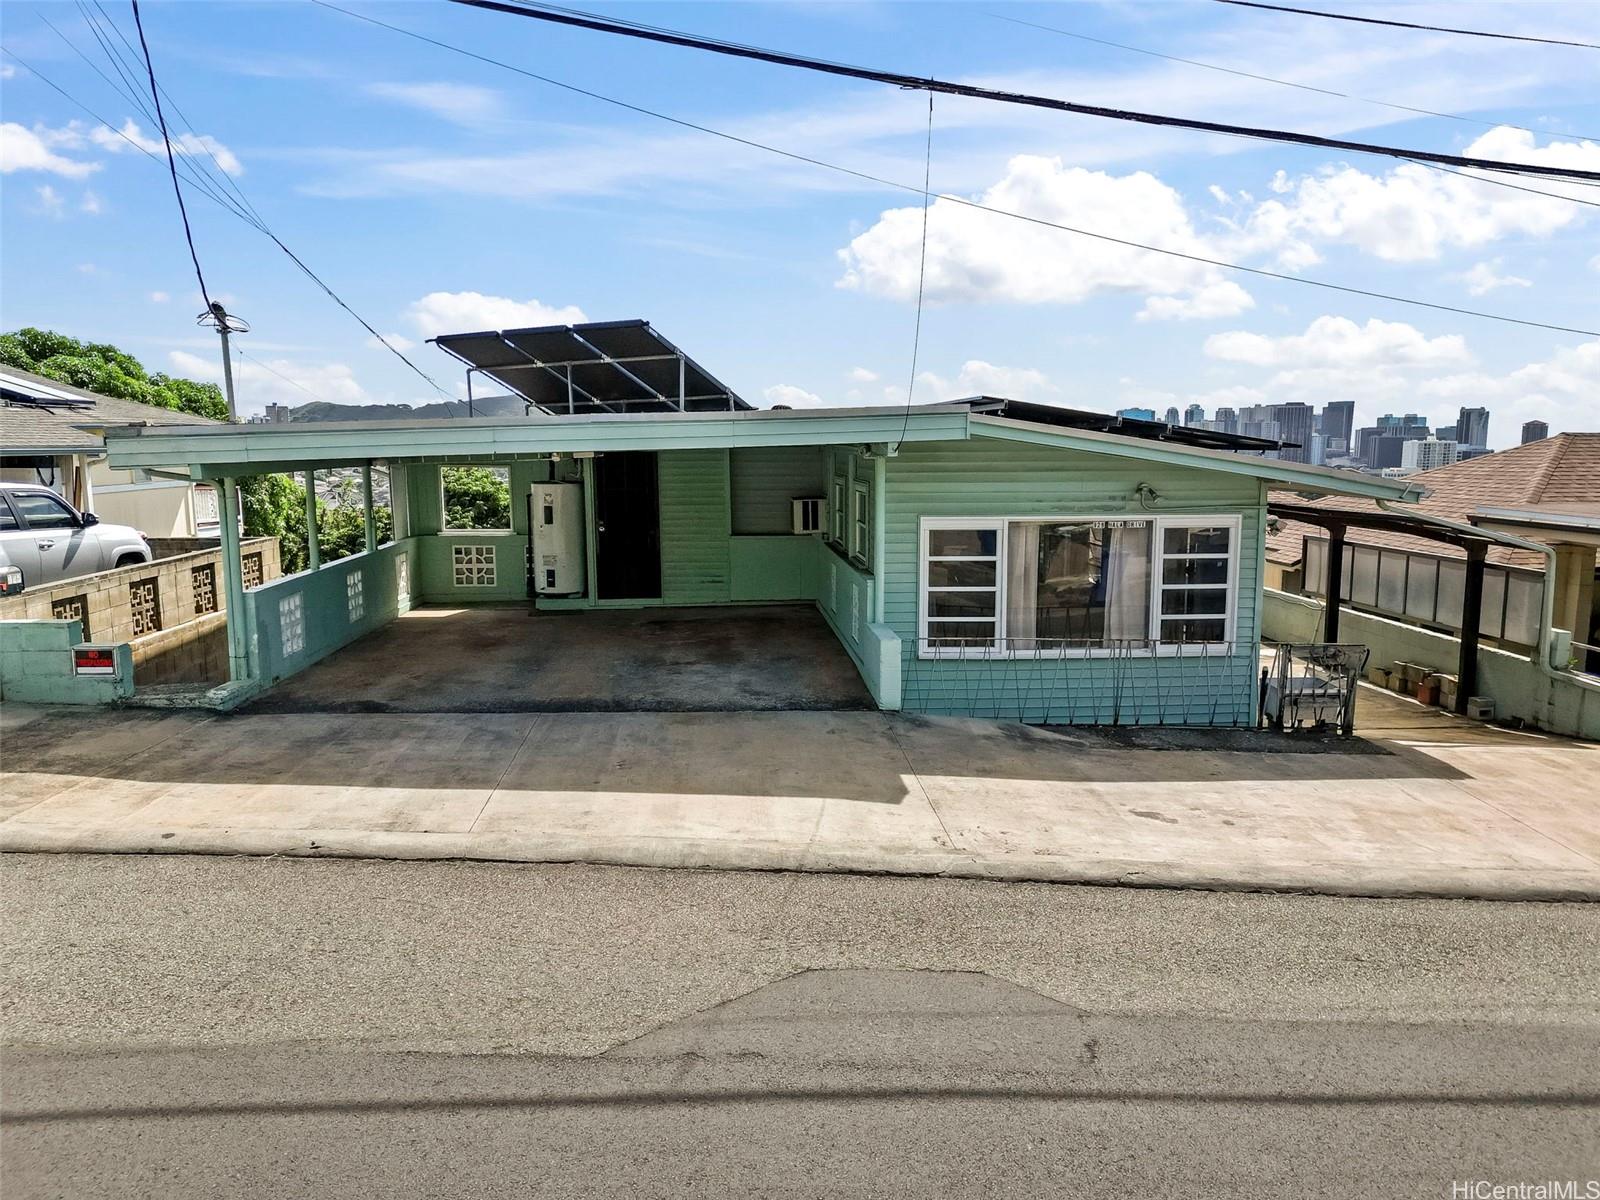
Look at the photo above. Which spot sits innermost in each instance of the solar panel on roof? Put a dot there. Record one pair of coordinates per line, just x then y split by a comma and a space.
605, 366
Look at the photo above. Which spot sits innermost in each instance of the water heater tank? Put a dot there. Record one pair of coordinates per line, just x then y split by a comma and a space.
558, 557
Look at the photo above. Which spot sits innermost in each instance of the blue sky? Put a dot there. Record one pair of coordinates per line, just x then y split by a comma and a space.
437, 194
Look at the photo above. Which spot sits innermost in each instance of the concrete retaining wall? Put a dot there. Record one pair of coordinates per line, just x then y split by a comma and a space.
1562, 702
194, 652
36, 665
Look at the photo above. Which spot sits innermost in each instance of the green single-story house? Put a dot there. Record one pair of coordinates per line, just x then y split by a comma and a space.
982, 558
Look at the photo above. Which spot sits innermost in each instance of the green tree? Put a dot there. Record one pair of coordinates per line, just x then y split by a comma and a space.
103, 368
274, 505
476, 498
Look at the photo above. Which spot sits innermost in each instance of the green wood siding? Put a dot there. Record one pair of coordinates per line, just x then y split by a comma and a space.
764, 479
694, 527
986, 478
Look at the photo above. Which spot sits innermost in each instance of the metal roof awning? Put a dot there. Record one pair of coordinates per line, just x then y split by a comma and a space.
599, 367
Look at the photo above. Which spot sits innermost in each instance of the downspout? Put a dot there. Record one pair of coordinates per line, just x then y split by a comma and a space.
880, 506
1547, 613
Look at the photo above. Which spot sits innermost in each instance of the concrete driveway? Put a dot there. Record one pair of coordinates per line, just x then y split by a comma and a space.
1432, 805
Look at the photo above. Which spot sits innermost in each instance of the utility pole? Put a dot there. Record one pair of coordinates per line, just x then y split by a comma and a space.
226, 324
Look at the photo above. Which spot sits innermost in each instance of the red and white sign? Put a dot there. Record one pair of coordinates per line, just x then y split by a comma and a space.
94, 660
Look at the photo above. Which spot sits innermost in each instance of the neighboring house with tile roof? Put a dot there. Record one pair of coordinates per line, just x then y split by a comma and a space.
53, 434
1546, 491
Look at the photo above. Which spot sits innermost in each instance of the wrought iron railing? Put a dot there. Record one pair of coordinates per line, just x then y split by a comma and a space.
1070, 681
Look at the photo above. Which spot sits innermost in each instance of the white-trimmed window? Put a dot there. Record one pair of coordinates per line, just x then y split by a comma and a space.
861, 523
1041, 586
961, 584
1194, 587
838, 510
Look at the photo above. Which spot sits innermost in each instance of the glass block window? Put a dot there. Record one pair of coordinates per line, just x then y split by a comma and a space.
354, 601
72, 608
402, 575
472, 565
203, 584
144, 601
252, 570
292, 624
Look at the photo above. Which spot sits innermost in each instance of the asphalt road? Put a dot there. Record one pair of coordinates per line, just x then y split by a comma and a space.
235, 1027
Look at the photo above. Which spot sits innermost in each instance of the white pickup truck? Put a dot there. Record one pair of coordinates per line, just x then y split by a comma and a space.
43, 539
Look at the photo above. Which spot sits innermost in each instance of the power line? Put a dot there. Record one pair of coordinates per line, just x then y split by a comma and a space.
201, 182
1504, 183
913, 189
132, 94
1311, 12
1327, 92
200, 140
280, 375
1304, 87
736, 50
922, 272
172, 164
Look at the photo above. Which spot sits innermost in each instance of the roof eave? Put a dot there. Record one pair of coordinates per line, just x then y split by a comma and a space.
1322, 481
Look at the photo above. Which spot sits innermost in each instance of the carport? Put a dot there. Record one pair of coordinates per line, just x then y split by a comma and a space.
514, 658
664, 549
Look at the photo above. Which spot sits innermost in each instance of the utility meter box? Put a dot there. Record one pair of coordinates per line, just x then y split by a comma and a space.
558, 557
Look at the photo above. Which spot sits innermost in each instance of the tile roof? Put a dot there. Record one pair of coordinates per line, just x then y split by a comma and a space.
39, 428
1560, 473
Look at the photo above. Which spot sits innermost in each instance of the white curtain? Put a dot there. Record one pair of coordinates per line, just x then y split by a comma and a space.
1022, 586
1127, 568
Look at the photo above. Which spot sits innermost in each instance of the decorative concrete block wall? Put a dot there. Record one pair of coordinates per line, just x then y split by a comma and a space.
301, 618
133, 602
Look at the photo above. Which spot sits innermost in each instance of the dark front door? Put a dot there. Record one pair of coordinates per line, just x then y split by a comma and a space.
627, 526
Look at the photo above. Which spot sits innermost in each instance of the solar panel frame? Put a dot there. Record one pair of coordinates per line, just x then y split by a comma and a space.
621, 366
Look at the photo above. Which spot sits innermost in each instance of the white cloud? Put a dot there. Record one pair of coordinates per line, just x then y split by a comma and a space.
1484, 277
7, 71
979, 378
790, 396
1221, 299
398, 340
459, 102
1560, 390
1414, 213
862, 375
23, 149
159, 297
51, 202
91, 204
466, 312
1339, 343
192, 145
977, 256
257, 385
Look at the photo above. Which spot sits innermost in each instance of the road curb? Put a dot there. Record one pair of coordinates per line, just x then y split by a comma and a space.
717, 855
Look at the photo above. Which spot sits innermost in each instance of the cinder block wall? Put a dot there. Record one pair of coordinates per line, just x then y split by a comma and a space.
186, 587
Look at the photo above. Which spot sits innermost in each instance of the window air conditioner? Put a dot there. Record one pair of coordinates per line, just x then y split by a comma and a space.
807, 514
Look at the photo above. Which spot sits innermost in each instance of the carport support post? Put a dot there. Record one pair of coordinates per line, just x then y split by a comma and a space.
233, 582
1471, 618
366, 500
313, 541
1335, 583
